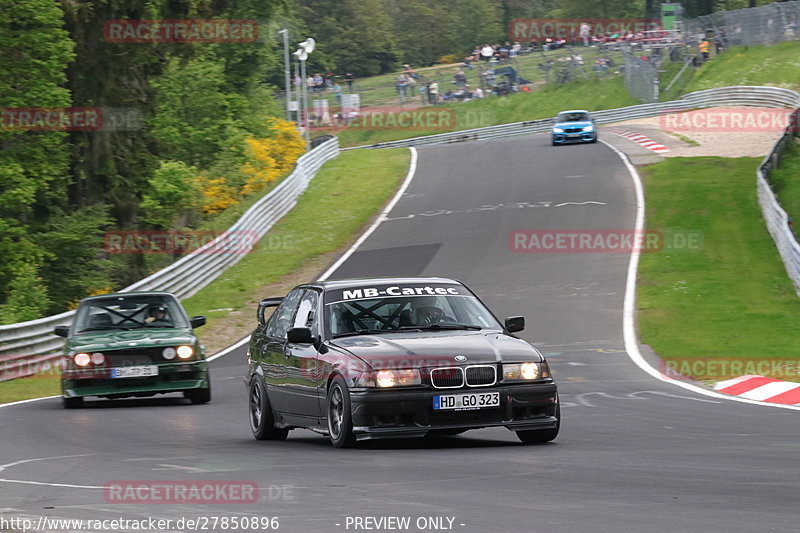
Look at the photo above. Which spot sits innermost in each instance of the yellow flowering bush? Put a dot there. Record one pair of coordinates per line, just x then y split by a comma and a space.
217, 194
272, 156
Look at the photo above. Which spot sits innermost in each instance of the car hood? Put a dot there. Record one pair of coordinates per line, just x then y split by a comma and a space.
581, 124
429, 349
136, 338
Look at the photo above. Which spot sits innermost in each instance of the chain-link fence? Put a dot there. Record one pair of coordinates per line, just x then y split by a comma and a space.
641, 76
651, 71
769, 24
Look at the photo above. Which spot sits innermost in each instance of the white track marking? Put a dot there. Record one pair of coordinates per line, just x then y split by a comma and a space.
40, 483
629, 309
229, 349
412, 169
27, 401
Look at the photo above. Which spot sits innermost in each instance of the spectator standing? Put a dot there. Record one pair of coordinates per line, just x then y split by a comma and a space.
515, 49
337, 90
704, 46
348, 79
433, 93
584, 32
319, 82
401, 83
487, 52
460, 78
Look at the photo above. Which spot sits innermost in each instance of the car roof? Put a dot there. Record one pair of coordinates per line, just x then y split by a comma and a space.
574, 111
120, 294
368, 282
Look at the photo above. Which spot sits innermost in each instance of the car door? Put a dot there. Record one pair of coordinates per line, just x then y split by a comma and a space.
274, 362
302, 381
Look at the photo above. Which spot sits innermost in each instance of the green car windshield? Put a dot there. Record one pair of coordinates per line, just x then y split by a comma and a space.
129, 312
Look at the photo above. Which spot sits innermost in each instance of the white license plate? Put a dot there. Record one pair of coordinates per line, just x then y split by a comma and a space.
574, 135
134, 371
477, 400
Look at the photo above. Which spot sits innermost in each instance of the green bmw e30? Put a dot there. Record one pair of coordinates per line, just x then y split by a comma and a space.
132, 344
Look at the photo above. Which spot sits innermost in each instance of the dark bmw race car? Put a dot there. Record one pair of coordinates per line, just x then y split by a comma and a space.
132, 344
371, 358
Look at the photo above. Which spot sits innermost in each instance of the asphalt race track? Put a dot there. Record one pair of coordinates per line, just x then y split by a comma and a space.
634, 454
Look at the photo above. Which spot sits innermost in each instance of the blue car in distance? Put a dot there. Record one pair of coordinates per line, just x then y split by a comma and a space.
574, 126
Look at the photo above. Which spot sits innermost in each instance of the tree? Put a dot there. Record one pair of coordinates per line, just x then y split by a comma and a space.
27, 296
356, 34
34, 51
174, 195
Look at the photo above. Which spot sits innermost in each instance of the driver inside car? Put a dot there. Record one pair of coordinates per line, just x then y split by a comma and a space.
157, 316
426, 311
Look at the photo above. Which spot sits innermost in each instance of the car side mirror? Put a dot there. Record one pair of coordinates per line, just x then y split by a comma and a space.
61, 331
197, 321
263, 304
300, 335
515, 323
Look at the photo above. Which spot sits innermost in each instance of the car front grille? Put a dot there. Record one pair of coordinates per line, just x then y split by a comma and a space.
134, 356
447, 378
573, 130
453, 377
481, 376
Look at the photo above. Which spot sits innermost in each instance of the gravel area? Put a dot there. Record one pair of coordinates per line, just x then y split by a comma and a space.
714, 141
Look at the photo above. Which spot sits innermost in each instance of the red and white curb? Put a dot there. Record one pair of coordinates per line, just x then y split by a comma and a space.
761, 389
641, 140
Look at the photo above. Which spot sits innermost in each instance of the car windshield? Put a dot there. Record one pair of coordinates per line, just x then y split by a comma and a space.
129, 312
402, 313
573, 117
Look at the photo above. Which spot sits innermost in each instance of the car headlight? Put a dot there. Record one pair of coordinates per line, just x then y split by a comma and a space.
389, 378
82, 359
185, 352
558, 130
588, 128
169, 353
525, 371
98, 358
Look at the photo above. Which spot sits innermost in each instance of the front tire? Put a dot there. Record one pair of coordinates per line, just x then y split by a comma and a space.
262, 420
198, 396
72, 403
340, 416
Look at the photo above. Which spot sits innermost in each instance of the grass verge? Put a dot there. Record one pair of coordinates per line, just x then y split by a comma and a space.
731, 300
342, 198
775, 65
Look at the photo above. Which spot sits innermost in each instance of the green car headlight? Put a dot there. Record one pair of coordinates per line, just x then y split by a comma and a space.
525, 371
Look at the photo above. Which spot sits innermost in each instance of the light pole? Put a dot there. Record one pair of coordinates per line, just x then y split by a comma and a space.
285, 33
306, 47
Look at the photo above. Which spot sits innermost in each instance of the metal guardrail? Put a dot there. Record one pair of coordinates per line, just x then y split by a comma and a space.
724, 96
26, 347
776, 218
